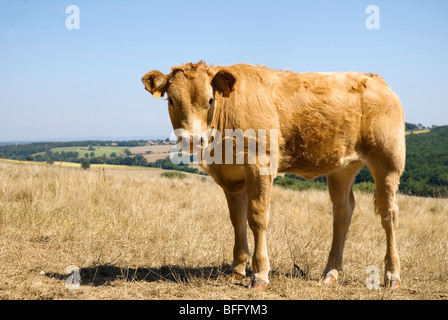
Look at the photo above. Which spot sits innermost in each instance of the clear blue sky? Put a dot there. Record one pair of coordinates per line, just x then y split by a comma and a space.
60, 83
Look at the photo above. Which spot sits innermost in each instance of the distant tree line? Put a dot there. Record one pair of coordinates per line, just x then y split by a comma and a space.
416, 127
292, 181
412, 126
54, 156
168, 165
137, 160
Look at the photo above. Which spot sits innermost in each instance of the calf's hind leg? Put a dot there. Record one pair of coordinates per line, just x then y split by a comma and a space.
386, 182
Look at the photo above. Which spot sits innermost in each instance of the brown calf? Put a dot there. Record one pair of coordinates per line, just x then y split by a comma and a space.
325, 123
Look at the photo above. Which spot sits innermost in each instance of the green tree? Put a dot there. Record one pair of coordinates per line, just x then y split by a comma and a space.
92, 154
85, 164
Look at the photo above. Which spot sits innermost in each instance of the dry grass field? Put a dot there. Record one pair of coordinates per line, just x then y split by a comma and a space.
136, 235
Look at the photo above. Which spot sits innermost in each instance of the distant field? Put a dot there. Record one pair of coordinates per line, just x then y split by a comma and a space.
417, 131
155, 149
159, 151
99, 151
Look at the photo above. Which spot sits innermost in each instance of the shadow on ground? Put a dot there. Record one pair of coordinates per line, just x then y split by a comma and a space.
104, 274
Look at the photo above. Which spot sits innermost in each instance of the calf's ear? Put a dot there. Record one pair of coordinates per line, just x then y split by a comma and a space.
224, 82
155, 83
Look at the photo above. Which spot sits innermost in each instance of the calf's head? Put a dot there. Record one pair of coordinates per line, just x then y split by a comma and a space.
191, 91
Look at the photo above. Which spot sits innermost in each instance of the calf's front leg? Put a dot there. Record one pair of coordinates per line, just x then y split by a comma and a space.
237, 202
259, 196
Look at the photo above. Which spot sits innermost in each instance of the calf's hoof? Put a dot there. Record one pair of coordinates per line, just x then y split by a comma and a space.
327, 280
392, 280
392, 284
258, 285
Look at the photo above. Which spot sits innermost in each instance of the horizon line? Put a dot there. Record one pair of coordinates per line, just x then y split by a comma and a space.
92, 138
